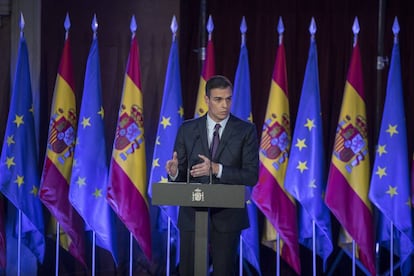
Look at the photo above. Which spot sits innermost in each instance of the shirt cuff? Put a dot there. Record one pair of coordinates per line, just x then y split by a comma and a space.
220, 170
173, 178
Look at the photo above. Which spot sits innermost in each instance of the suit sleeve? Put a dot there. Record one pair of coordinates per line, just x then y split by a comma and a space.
180, 148
243, 171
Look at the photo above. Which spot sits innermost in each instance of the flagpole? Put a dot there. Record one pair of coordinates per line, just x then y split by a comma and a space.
277, 254
241, 256
94, 29
168, 262
130, 253
391, 248
203, 16
381, 63
377, 256
280, 29
93, 252
312, 31
19, 234
243, 29
19, 242
313, 248
57, 248
353, 257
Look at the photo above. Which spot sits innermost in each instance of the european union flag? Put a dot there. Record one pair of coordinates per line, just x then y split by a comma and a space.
171, 117
390, 182
241, 99
19, 175
241, 107
88, 185
305, 175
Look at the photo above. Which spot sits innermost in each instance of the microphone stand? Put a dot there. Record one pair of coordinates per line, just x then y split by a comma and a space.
189, 158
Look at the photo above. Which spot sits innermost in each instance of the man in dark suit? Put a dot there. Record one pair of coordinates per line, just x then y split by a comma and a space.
235, 161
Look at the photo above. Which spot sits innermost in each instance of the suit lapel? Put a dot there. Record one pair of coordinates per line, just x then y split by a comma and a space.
225, 136
202, 129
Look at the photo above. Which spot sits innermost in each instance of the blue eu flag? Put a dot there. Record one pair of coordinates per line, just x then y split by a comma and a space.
305, 175
241, 107
390, 182
89, 178
19, 175
171, 117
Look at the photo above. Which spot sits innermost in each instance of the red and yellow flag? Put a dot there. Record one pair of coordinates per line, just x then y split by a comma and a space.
57, 169
127, 177
207, 72
348, 180
269, 193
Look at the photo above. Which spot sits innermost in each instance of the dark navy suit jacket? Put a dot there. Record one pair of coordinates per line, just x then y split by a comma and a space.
238, 152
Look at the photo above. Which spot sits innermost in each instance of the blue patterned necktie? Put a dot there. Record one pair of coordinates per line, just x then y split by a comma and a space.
216, 140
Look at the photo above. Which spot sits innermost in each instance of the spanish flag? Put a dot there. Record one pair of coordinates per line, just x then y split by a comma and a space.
57, 169
348, 180
269, 194
127, 176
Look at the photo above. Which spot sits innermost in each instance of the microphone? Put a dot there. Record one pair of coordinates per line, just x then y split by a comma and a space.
189, 156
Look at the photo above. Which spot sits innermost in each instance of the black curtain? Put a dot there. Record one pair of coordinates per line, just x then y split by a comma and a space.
5, 51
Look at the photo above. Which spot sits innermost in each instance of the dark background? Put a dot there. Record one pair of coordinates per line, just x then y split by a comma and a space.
334, 37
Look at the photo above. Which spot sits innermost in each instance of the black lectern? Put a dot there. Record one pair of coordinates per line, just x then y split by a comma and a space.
202, 196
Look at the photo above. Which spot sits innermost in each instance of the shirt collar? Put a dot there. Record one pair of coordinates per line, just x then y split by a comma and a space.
211, 123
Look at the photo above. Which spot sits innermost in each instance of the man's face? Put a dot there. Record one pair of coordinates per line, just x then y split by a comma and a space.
219, 103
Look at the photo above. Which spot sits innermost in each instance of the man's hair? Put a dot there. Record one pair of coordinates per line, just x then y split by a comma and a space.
217, 81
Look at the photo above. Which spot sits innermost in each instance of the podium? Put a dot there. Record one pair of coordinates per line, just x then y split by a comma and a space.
202, 197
